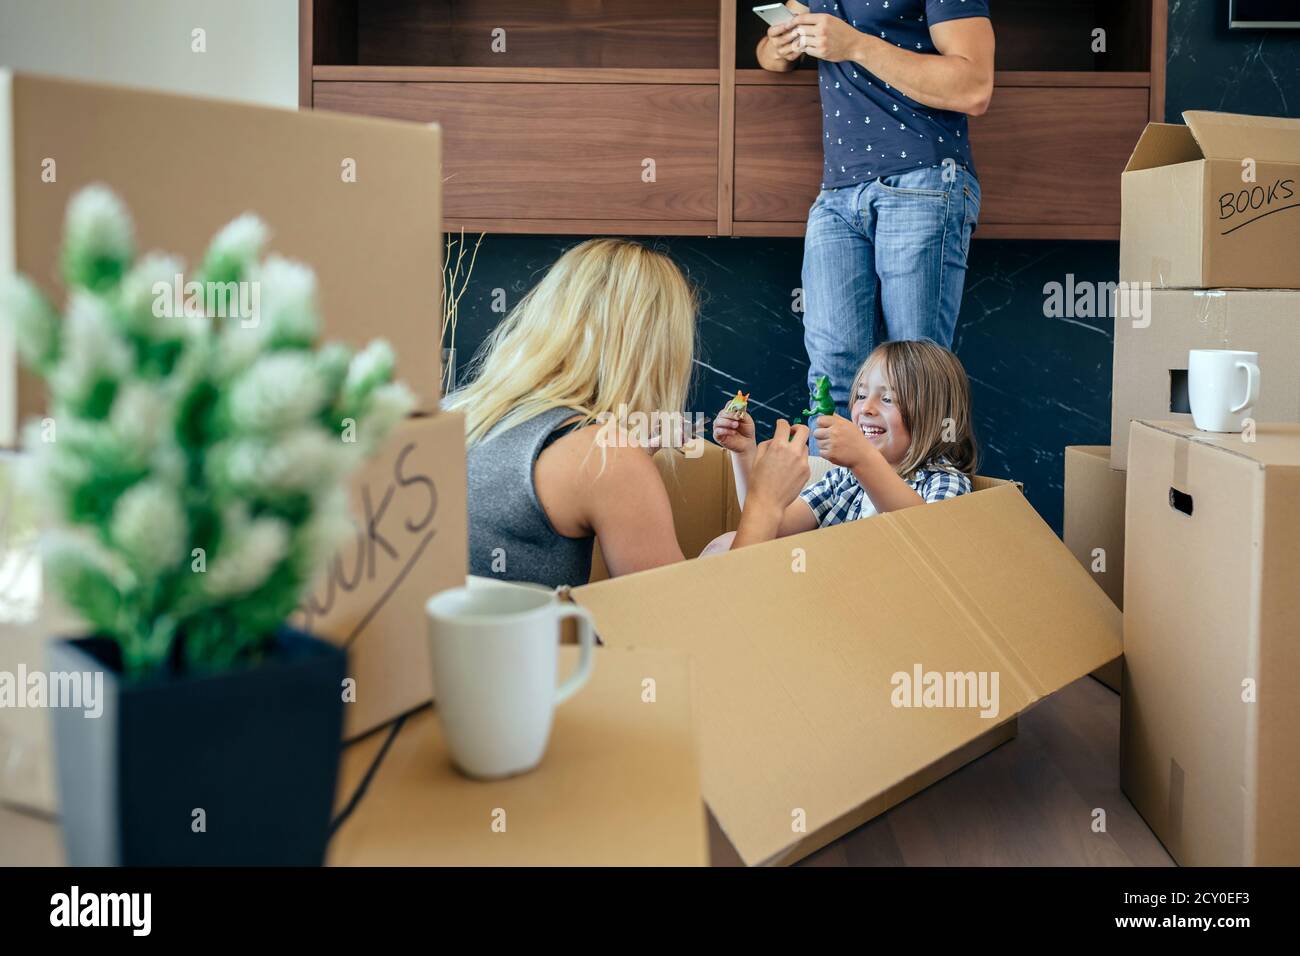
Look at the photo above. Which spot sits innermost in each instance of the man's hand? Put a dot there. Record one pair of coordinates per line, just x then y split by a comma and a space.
823, 36
777, 51
782, 41
841, 442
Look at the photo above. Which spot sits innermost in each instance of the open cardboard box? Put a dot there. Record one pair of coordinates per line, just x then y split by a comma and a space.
186, 166
1213, 203
799, 668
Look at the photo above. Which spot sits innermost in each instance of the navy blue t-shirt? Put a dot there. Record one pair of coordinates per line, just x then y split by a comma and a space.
870, 129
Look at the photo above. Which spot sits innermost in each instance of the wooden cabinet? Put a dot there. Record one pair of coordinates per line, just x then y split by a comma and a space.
1048, 156
778, 155
599, 116
541, 157
1049, 159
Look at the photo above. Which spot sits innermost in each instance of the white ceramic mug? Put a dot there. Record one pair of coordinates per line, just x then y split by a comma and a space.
495, 657
1222, 388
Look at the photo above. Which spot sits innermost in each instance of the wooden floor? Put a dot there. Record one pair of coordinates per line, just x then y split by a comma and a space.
1029, 802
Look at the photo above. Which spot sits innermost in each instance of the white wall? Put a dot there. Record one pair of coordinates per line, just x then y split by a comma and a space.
252, 45
251, 54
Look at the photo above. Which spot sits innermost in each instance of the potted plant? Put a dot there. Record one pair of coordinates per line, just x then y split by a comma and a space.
191, 470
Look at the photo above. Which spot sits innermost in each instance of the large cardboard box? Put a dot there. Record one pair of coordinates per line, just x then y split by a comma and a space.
1094, 528
1150, 368
1212, 657
619, 784
29, 618
1213, 203
185, 167
411, 541
817, 680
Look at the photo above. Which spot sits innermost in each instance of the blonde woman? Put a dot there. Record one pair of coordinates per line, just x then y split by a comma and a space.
608, 332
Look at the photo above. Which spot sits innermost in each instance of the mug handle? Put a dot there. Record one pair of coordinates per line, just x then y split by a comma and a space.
586, 653
1252, 386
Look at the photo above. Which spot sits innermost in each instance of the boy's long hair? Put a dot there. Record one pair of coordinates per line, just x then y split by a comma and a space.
611, 324
932, 392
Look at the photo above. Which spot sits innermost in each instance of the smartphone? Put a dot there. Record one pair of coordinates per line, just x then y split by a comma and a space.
774, 13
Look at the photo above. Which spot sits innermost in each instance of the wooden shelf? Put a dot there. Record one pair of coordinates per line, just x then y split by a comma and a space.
565, 144
505, 74
587, 227
1040, 78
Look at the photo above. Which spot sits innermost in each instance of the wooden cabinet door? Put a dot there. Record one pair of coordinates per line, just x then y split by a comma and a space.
1053, 155
550, 157
1048, 157
778, 152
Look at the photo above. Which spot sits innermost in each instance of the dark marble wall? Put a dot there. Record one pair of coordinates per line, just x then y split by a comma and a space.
1039, 383
1238, 71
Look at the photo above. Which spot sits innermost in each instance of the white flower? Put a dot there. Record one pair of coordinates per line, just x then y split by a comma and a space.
249, 553
69, 553
279, 391
237, 244
388, 406
142, 416
288, 301
148, 297
36, 328
238, 347
324, 533
303, 462
98, 226
150, 529
369, 369
92, 349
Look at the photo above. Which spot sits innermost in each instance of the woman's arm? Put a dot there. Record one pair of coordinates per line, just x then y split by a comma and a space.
958, 78
627, 507
795, 519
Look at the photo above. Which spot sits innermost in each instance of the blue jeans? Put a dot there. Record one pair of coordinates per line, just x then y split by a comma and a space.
882, 260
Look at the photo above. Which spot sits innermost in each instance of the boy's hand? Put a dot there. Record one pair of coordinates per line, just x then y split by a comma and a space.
736, 434
841, 442
780, 467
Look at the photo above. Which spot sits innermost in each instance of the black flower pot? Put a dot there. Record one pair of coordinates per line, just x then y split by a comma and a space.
233, 768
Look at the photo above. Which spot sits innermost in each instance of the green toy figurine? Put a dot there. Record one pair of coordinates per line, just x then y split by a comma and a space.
819, 397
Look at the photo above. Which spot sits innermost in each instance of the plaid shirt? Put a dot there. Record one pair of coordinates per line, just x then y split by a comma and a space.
839, 497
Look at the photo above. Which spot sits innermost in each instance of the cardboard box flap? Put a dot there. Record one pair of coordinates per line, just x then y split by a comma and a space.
1163, 144
1274, 444
811, 670
702, 492
1025, 591
1232, 136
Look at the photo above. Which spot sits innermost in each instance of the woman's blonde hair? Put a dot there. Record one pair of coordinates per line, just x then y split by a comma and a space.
610, 328
932, 393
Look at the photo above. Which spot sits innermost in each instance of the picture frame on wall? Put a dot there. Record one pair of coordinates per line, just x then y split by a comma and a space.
1263, 15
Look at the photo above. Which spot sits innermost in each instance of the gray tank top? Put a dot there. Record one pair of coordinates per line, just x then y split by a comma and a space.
510, 537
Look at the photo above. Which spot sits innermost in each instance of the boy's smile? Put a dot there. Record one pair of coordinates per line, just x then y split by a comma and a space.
880, 419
